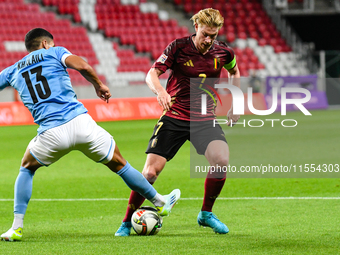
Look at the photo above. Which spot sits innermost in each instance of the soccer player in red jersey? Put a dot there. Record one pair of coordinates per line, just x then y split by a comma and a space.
197, 56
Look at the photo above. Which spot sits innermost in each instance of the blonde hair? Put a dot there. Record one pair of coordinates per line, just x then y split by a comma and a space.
209, 17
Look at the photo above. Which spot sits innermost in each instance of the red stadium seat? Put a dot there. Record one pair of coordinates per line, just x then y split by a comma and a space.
242, 35
254, 35
248, 51
243, 58
227, 7
238, 7
238, 51
266, 35
230, 28
230, 37
260, 66
278, 48
262, 42
241, 28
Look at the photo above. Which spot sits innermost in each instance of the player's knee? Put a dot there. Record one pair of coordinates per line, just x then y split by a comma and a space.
117, 161
31, 165
220, 159
150, 173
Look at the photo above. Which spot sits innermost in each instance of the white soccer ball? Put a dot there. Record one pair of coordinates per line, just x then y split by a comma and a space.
146, 221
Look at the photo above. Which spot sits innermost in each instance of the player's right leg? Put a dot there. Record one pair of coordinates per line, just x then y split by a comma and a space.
44, 149
210, 141
153, 166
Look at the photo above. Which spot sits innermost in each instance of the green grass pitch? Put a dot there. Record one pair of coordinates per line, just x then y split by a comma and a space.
257, 226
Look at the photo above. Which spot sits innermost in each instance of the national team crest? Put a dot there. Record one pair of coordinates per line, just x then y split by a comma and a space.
216, 63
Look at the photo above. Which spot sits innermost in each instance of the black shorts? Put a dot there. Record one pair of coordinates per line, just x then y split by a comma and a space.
170, 134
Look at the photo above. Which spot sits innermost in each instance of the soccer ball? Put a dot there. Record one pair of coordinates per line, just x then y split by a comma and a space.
146, 221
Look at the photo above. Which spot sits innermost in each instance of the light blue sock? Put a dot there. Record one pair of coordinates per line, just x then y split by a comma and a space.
136, 181
23, 190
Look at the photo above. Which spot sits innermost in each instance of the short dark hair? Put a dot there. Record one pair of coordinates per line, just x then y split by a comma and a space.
33, 38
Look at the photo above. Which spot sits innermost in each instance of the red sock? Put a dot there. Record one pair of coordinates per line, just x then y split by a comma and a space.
135, 201
212, 188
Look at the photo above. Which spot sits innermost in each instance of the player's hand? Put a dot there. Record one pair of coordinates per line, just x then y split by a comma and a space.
103, 92
232, 118
164, 100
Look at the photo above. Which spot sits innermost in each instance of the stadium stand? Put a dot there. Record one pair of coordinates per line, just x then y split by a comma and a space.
122, 38
17, 18
140, 26
121, 21
253, 36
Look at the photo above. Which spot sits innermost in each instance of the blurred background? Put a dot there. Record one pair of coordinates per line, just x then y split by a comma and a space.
122, 38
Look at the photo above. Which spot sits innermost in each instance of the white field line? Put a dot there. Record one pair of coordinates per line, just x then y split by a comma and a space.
188, 198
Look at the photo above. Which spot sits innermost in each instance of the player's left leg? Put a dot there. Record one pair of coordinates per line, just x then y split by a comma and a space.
22, 195
217, 154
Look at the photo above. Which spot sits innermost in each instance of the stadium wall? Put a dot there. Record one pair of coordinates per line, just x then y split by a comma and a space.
88, 92
15, 113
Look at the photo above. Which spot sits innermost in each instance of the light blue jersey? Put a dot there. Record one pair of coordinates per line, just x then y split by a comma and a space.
45, 87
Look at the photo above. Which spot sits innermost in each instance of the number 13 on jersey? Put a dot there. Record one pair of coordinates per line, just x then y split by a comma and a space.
43, 94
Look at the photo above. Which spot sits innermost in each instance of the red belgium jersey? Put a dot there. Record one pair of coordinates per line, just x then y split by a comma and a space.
193, 74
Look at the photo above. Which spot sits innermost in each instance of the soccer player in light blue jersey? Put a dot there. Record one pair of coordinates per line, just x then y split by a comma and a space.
64, 125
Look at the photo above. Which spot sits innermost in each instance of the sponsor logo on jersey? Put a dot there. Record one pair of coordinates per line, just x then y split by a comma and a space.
162, 58
189, 63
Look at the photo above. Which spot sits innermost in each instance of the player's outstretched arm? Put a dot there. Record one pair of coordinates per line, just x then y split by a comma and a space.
77, 63
154, 84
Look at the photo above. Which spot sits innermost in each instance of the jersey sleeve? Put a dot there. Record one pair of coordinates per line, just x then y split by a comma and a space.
62, 53
166, 60
230, 59
3, 79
